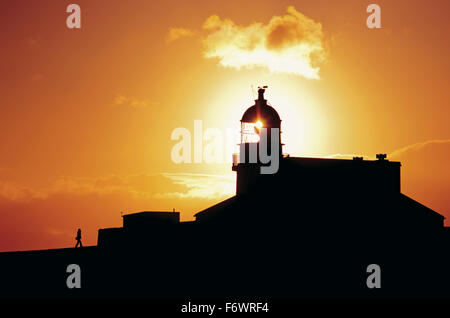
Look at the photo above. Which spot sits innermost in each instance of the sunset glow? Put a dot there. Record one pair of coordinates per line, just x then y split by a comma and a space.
87, 115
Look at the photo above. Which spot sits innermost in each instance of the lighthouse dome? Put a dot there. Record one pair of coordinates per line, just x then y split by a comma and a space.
262, 112
267, 114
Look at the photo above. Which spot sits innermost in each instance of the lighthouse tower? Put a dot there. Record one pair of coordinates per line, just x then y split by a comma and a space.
256, 118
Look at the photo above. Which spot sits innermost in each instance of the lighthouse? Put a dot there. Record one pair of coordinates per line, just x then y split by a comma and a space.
260, 145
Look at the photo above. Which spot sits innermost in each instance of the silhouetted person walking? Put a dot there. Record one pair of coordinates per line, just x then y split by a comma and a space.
78, 238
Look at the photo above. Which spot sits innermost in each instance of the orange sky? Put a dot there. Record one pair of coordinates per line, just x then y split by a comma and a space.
86, 115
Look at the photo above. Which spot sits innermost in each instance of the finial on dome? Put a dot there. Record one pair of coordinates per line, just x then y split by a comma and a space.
261, 91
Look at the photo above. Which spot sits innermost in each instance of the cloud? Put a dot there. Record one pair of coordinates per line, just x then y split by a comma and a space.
132, 102
292, 43
137, 186
15, 193
401, 153
48, 218
200, 186
177, 33
163, 185
419, 146
349, 156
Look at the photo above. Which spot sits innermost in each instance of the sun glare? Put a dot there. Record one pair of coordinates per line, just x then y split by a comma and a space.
259, 124
303, 127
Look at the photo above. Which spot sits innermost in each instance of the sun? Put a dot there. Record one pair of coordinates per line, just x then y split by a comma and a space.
259, 124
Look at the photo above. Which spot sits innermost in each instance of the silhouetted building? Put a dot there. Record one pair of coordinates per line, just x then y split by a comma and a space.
140, 227
327, 196
330, 197
310, 229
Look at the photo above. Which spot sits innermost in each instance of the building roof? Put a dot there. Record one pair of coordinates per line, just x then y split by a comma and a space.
148, 214
404, 199
219, 206
320, 162
262, 112
356, 183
